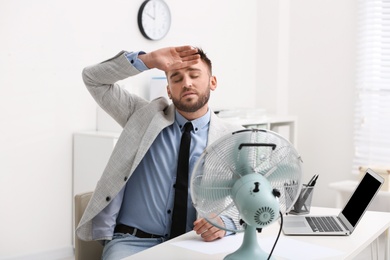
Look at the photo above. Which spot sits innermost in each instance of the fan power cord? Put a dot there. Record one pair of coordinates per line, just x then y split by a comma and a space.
277, 238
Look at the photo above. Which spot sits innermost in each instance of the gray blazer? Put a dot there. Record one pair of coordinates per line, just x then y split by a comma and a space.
141, 120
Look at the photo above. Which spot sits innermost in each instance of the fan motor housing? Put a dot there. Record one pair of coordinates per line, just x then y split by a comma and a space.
254, 198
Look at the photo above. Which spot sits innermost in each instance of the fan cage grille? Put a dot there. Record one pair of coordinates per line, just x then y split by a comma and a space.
224, 162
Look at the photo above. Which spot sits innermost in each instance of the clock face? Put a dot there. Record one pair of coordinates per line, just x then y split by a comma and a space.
154, 19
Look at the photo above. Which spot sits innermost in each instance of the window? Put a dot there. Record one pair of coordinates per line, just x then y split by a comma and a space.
372, 111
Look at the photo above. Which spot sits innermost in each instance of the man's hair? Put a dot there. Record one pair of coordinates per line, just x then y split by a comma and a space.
206, 59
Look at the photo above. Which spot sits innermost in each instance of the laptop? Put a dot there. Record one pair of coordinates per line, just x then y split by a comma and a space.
348, 218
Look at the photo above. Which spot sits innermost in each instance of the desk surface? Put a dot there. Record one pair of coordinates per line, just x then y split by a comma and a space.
372, 225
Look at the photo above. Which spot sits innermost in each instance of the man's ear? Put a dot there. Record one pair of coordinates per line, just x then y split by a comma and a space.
213, 83
169, 92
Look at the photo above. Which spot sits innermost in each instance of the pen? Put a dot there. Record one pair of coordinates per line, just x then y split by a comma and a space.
314, 181
311, 180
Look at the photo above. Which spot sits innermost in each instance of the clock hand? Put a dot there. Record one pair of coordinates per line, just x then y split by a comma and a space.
148, 14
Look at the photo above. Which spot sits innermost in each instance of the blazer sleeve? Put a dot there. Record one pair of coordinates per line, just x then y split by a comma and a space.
101, 81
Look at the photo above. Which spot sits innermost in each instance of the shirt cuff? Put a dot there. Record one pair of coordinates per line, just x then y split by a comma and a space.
229, 224
137, 63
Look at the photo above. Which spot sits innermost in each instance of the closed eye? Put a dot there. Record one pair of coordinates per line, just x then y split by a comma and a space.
177, 79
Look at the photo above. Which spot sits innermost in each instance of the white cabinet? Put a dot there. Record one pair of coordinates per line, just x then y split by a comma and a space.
91, 151
283, 125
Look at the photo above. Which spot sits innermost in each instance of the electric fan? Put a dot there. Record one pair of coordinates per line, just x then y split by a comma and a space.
247, 178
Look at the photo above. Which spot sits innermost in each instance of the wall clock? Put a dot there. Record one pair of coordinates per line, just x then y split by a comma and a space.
154, 19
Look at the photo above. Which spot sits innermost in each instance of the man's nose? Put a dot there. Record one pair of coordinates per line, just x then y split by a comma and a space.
187, 82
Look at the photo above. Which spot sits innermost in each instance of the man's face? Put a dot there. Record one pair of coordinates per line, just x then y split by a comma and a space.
189, 88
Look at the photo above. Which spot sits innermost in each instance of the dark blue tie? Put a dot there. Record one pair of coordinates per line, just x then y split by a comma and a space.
179, 216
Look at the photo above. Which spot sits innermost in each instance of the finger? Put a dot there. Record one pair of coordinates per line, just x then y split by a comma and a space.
186, 48
201, 227
191, 58
208, 230
188, 53
199, 221
212, 234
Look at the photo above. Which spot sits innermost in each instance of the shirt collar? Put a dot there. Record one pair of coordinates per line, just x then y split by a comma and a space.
198, 123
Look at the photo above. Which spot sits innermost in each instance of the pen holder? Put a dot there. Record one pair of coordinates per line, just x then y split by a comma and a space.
303, 203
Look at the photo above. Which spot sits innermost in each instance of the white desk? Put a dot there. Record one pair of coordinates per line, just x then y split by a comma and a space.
368, 230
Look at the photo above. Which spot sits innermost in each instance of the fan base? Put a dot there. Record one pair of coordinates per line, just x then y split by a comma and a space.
240, 255
250, 249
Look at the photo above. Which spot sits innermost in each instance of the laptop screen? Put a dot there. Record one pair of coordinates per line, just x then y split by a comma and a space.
361, 198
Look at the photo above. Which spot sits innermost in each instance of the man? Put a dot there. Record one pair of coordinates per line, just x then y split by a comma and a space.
133, 203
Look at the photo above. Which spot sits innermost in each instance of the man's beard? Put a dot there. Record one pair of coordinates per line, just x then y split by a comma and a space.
190, 108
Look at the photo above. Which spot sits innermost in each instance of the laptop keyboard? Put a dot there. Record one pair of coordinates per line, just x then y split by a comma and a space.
323, 224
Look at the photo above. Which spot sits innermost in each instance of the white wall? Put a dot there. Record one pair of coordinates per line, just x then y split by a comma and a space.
306, 67
291, 57
322, 88
44, 46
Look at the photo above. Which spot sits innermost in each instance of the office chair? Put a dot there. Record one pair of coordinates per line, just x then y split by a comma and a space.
85, 250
